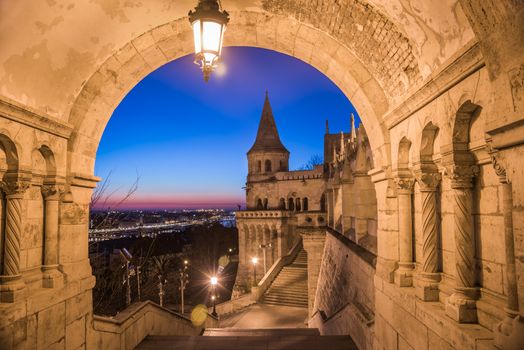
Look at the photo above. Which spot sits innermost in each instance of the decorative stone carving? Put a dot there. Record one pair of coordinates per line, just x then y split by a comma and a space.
461, 176
428, 181
404, 274
405, 183
11, 284
15, 188
461, 304
52, 191
428, 277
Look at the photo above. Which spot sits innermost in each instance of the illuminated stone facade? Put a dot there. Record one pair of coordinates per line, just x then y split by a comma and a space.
439, 89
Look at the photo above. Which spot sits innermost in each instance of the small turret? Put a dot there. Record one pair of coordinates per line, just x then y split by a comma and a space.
268, 154
353, 129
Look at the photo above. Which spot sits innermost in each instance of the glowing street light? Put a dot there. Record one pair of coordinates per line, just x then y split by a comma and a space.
184, 280
209, 25
254, 260
214, 282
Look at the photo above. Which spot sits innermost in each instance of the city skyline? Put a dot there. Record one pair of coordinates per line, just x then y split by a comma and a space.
192, 153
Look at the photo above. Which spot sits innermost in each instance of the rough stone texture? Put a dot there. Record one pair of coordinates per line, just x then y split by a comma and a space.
345, 294
407, 66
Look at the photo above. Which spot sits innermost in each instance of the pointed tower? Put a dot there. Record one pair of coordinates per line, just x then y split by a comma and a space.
267, 155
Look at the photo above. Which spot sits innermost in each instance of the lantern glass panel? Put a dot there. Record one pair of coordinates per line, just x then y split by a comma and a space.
212, 33
197, 32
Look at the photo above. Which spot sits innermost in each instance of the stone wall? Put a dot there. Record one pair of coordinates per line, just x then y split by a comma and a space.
126, 330
345, 299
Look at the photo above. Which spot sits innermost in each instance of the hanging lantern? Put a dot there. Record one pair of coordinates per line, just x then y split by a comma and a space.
209, 24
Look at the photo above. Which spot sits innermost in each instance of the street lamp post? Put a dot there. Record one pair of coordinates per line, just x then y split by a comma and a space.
214, 281
254, 260
209, 24
184, 279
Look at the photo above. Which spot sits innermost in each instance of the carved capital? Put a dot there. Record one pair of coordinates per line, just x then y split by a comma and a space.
461, 176
15, 188
500, 169
428, 181
52, 191
405, 183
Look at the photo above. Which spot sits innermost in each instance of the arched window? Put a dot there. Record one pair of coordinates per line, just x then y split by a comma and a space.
323, 203
290, 204
265, 204
297, 204
268, 166
305, 204
282, 204
259, 166
259, 204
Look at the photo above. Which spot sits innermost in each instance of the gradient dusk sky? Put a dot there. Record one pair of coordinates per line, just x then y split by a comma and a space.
188, 139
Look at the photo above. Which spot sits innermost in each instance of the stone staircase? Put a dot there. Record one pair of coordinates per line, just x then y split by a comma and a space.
290, 286
242, 339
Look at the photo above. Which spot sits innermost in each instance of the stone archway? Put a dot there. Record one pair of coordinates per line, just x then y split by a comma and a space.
104, 90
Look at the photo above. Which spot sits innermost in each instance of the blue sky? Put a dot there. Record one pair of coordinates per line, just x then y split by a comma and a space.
188, 139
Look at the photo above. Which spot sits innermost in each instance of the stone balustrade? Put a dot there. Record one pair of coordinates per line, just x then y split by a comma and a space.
127, 329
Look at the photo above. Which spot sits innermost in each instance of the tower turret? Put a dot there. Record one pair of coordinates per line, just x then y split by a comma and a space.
268, 154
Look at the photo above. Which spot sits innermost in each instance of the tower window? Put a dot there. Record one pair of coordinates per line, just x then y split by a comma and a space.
268, 166
259, 166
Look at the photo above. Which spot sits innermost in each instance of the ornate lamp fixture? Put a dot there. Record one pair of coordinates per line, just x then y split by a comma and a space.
209, 25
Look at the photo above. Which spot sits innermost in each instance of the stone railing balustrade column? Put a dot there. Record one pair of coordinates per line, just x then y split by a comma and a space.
404, 273
52, 276
428, 278
12, 288
461, 304
313, 243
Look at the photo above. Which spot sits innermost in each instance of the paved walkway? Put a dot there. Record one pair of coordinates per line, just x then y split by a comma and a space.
258, 327
266, 316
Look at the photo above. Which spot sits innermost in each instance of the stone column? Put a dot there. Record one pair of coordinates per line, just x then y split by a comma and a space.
428, 278
510, 332
461, 305
52, 276
241, 245
313, 242
404, 273
281, 242
12, 287
251, 243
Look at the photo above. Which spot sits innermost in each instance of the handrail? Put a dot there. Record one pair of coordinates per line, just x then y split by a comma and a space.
353, 305
366, 255
275, 269
135, 308
152, 319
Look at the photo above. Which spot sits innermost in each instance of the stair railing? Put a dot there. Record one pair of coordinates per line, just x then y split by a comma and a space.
275, 269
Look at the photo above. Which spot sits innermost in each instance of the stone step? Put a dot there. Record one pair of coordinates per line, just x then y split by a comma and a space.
266, 342
290, 284
237, 332
281, 297
286, 303
294, 288
277, 297
286, 293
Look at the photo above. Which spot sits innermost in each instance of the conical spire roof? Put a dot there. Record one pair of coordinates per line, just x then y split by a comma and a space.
267, 139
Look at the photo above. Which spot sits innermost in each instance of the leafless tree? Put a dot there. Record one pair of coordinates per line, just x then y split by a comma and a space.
101, 199
315, 160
